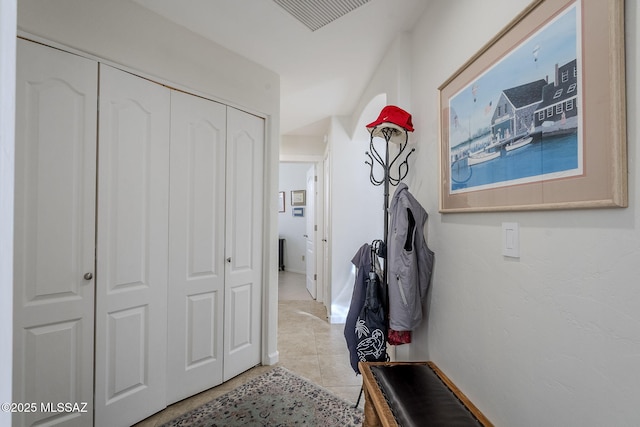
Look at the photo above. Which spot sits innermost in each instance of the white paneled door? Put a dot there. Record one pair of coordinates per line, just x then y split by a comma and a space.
196, 253
326, 228
54, 235
132, 248
310, 235
243, 242
138, 242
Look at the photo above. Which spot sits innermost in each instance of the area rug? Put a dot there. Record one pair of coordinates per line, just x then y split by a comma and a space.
276, 398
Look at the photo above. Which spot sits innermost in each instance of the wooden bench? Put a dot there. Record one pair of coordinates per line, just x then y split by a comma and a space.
414, 394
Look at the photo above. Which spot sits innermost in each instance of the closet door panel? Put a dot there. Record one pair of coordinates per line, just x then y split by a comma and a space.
56, 101
196, 253
243, 281
132, 248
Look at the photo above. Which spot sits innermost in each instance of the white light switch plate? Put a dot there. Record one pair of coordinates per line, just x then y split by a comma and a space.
511, 239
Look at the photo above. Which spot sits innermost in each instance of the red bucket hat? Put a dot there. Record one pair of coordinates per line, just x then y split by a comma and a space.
395, 118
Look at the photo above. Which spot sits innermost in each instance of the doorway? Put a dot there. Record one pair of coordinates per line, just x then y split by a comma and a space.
300, 223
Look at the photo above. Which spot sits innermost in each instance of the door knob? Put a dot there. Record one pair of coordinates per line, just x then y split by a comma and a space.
88, 276
229, 259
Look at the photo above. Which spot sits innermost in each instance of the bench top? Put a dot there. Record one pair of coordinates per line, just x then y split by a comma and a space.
417, 393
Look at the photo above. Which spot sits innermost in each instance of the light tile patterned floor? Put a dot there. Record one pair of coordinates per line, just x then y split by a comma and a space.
308, 346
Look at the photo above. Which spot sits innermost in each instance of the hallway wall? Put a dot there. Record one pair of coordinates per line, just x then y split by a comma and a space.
357, 214
551, 338
131, 35
357, 205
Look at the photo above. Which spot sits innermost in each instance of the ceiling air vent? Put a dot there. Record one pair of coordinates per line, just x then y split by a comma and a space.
316, 14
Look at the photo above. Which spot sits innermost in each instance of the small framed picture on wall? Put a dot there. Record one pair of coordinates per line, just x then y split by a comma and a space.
298, 197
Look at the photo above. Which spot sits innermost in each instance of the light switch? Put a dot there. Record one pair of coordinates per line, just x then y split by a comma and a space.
511, 239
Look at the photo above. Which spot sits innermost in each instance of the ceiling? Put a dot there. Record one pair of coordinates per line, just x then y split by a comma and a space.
323, 72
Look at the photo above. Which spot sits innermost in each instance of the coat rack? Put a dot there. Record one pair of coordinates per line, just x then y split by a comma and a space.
388, 133
403, 167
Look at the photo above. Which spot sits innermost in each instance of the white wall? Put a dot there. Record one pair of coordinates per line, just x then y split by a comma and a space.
551, 338
302, 148
293, 176
357, 206
127, 34
7, 132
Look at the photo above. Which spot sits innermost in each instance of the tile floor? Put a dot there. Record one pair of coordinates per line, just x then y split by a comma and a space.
308, 346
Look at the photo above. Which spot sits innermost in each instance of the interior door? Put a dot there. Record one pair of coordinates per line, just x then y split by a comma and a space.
243, 237
326, 230
319, 236
310, 236
55, 164
196, 254
131, 300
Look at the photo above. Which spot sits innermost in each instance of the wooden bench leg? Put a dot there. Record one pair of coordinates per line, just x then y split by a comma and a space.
371, 418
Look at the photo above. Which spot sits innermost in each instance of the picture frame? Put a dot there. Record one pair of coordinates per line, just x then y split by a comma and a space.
547, 94
298, 197
298, 211
281, 197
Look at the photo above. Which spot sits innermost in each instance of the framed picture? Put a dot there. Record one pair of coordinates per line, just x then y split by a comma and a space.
537, 118
281, 201
298, 197
298, 211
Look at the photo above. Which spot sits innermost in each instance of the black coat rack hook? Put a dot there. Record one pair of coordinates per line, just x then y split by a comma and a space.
403, 167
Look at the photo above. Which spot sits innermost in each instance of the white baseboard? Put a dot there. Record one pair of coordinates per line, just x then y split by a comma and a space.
271, 359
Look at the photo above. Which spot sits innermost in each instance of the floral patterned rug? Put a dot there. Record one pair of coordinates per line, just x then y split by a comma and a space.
276, 398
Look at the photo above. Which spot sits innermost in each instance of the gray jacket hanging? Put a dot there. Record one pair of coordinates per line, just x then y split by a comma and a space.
410, 261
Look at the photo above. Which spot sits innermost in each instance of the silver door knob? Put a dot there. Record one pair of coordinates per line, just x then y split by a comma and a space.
229, 259
88, 276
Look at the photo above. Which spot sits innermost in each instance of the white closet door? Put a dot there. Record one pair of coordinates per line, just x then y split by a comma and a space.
196, 254
54, 233
243, 279
131, 301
